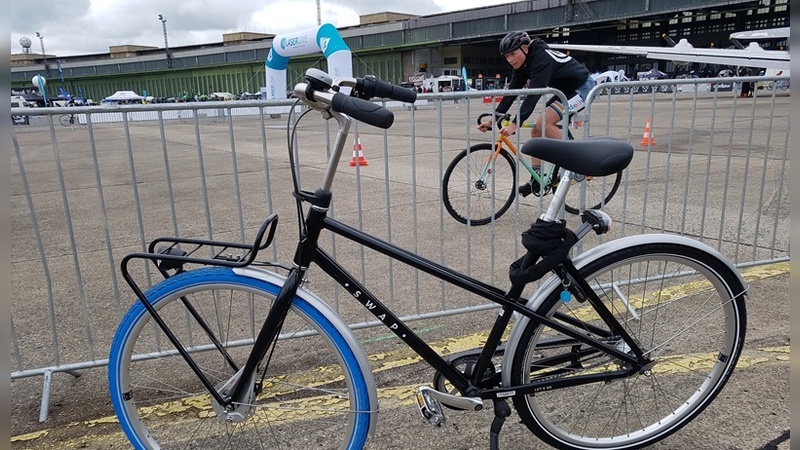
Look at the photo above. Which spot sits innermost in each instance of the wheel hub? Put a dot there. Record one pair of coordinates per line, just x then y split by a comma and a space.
238, 412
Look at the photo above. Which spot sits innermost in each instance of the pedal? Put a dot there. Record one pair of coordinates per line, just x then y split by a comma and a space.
429, 407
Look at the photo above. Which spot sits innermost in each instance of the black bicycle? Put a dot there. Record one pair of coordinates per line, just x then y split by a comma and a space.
620, 347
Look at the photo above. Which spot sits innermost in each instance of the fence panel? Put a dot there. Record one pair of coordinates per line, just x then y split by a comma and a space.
82, 196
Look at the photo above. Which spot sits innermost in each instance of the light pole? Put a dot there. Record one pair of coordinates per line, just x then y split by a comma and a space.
44, 56
166, 44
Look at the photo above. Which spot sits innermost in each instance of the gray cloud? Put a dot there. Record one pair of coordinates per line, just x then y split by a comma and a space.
74, 28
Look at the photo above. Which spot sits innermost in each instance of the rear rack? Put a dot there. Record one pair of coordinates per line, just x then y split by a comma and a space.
166, 253
171, 256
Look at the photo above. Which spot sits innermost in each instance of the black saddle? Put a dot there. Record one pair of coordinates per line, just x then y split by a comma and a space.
596, 157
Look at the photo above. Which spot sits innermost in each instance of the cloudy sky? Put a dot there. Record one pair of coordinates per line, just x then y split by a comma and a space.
79, 27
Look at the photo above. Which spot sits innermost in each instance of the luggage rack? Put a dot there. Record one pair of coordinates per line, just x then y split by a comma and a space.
167, 254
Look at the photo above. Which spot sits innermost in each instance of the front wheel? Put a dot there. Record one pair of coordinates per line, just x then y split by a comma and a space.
477, 186
593, 192
66, 120
308, 391
683, 307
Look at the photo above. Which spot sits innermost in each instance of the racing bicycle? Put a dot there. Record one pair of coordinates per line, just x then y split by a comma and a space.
618, 348
480, 183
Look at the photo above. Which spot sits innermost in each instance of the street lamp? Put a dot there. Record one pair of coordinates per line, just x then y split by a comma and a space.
166, 44
44, 56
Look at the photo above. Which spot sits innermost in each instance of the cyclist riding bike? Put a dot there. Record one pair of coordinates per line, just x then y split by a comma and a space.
536, 65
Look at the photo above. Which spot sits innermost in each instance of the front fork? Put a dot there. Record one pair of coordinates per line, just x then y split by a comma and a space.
303, 257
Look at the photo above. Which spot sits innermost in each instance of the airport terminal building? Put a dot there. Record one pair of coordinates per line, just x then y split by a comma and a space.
402, 48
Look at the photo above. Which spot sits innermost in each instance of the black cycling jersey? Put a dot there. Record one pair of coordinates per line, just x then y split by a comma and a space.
544, 67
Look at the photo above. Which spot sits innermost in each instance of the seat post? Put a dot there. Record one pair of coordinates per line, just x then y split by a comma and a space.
557, 202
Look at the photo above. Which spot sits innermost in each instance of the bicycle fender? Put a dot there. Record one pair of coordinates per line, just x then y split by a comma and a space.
585, 258
336, 320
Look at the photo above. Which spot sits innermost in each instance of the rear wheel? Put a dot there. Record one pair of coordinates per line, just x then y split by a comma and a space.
478, 187
685, 309
66, 120
591, 192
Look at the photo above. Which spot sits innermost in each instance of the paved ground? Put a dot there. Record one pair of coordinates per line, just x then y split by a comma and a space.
751, 413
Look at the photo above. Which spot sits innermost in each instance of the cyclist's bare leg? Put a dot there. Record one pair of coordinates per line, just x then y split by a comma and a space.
548, 120
536, 132
551, 117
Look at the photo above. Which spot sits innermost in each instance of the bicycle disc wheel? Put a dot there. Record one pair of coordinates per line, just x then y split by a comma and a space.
598, 192
64, 120
685, 309
474, 195
312, 394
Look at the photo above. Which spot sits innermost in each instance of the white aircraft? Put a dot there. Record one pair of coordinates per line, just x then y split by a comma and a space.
753, 55
609, 75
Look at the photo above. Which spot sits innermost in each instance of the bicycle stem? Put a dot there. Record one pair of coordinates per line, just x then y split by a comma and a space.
338, 148
342, 120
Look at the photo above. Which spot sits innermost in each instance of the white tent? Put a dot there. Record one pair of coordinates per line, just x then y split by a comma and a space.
222, 96
121, 96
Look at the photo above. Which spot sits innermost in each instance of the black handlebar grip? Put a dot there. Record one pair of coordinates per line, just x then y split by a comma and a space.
362, 110
370, 86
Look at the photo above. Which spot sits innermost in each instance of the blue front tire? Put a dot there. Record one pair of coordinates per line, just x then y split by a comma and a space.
312, 391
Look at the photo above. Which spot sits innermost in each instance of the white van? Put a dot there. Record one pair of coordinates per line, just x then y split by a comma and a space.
18, 101
444, 83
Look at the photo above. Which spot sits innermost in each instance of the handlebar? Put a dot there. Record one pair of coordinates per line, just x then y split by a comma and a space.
370, 86
322, 93
362, 110
497, 117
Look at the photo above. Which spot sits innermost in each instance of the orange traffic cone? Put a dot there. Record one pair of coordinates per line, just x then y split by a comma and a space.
358, 153
647, 139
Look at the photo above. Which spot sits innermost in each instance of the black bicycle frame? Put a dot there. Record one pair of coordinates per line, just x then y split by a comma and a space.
309, 252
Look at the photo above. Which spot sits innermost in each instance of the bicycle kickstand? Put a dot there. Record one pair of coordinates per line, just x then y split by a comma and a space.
501, 411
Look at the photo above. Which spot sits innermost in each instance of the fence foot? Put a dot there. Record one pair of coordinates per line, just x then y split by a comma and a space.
44, 409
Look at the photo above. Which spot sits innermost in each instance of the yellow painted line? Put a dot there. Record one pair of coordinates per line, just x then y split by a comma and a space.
756, 273
762, 272
29, 436
389, 398
397, 396
385, 361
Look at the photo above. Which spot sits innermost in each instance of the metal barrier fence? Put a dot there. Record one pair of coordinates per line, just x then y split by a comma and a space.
714, 167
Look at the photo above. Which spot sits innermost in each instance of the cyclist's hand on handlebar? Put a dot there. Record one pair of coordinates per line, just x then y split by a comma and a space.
499, 118
509, 129
484, 126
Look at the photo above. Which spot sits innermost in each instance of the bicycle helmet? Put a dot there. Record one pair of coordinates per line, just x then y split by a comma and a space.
513, 41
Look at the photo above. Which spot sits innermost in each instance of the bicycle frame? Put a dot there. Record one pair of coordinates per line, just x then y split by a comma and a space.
308, 252
503, 141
